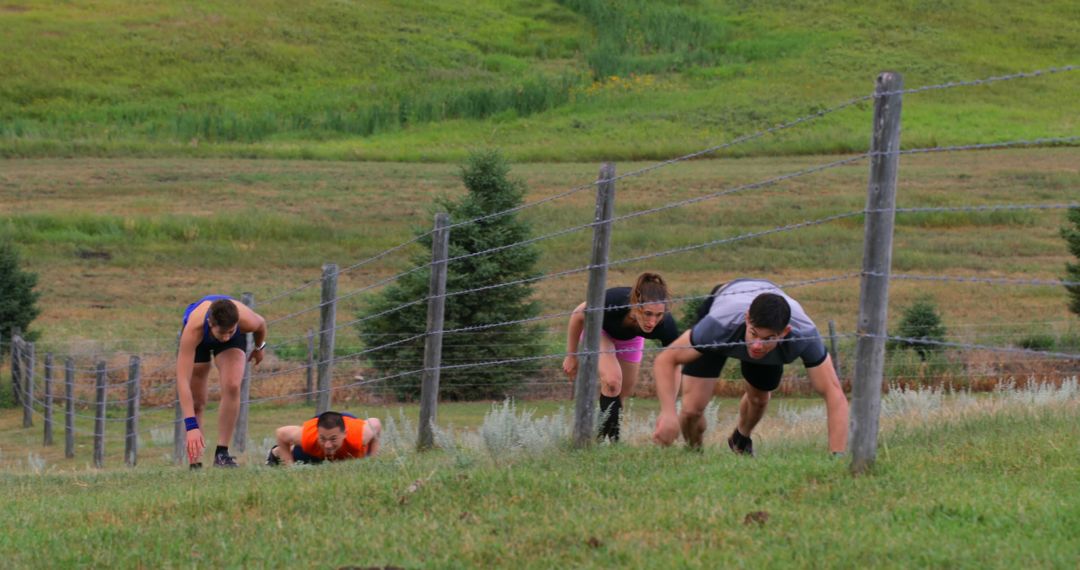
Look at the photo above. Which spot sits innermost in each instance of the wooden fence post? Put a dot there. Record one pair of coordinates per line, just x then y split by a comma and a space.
832, 346
310, 372
586, 384
240, 433
16, 382
99, 417
69, 407
877, 261
134, 392
327, 320
48, 400
26, 372
429, 391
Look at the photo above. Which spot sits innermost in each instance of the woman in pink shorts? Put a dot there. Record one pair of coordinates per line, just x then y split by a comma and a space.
631, 315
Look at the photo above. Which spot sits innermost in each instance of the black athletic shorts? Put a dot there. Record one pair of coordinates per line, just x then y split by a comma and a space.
213, 347
764, 377
299, 456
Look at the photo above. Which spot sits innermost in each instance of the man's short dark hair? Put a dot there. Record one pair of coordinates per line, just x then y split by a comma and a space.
223, 313
331, 420
770, 311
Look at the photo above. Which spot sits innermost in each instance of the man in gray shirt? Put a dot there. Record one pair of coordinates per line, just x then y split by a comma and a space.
753, 321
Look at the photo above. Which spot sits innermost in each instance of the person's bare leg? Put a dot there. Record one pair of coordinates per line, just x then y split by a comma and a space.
630, 373
752, 409
230, 365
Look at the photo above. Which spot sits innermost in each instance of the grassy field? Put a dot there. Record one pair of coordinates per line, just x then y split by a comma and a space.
564, 80
121, 246
987, 482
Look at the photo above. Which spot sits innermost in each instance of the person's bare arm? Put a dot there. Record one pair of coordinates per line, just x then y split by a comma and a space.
573, 334
190, 338
252, 322
666, 375
823, 378
287, 436
372, 435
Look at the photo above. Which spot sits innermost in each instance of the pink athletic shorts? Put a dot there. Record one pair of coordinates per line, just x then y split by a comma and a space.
625, 350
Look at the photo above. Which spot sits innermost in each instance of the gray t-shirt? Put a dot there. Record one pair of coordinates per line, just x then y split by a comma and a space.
726, 323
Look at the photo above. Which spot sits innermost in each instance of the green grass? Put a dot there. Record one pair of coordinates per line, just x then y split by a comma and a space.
546, 80
984, 490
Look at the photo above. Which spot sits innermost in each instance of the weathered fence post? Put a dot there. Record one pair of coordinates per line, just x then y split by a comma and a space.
16, 382
240, 433
179, 436
99, 417
48, 400
26, 371
134, 392
832, 347
327, 320
69, 407
586, 384
179, 433
429, 390
310, 372
877, 261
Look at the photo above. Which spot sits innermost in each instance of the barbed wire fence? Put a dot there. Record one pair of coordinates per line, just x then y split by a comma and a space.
129, 391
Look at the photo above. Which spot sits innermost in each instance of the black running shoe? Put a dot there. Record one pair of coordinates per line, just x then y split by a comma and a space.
741, 444
195, 466
271, 459
225, 461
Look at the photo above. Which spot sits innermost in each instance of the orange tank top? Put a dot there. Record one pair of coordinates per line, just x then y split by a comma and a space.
352, 447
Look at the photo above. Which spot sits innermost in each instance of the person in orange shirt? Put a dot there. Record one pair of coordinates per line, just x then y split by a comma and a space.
330, 436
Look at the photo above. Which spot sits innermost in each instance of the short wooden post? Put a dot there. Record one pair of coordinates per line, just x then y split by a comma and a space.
240, 433
179, 436
26, 371
16, 382
877, 261
587, 382
69, 407
99, 417
327, 320
48, 400
134, 392
832, 348
310, 372
429, 390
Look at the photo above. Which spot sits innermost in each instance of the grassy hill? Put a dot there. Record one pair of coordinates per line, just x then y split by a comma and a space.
545, 80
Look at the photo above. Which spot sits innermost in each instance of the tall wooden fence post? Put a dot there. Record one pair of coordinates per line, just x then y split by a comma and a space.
877, 261
310, 372
16, 382
832, 348
240, 433
586, 384
429, 391
134, 392
69, 407
26, 371
99, 417
327, 324
48, 399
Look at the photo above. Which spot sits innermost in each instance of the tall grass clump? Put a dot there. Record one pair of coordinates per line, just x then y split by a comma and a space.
643, 36
506, 431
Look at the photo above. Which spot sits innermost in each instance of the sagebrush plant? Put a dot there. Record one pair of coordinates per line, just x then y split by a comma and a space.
490, 190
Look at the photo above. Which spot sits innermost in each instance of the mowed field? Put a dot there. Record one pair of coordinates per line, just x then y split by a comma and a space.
121, 246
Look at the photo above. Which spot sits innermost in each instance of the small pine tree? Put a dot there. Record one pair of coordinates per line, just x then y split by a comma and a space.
922, 321
485, 175
1071, 233
18, 300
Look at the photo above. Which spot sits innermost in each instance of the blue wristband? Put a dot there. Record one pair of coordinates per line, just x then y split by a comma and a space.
191, 423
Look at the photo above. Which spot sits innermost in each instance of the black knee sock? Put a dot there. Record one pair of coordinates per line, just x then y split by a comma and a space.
611, 406
221, 450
